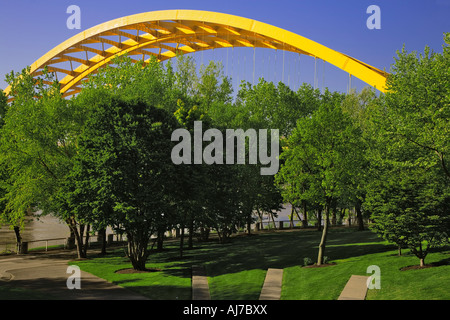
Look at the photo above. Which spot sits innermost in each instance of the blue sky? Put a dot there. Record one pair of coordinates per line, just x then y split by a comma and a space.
31, 28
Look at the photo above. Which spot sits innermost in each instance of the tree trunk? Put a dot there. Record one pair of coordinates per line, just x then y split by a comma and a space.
18, 238
85, 245
291, 222
102, 239
319, 219
341, 215
137, 248
273, 220
78, 234
334, 214
160, 240
349, 218
181, 241
420, 253
219, 235
249, 224
422, 262
191, 234
298, 215
305, 214
323, 240
359, 216
260, 220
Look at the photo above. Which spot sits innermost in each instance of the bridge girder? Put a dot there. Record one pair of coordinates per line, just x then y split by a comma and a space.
164, 33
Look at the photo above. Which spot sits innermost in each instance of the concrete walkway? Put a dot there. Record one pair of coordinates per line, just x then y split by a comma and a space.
200, 287
355, 289
271, 289
46, 273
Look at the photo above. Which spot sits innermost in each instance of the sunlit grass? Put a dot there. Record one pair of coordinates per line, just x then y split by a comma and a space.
236, 270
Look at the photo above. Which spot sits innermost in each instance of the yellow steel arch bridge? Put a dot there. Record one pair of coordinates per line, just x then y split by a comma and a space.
163, 34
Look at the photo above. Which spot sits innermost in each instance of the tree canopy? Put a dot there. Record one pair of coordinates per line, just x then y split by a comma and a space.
103, 157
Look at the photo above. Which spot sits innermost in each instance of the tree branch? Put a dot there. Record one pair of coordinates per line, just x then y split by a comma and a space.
46, 167
440, 154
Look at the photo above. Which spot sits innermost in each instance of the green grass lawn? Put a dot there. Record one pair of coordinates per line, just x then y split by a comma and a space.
236, 270
11, 293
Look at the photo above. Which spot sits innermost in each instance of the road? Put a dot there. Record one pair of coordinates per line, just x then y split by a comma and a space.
46, 273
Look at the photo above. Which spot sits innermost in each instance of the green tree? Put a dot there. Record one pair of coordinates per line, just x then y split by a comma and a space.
418, 103
38, 143
410, 209
266, 105
192, 179
212, 86
319, 157
124, 158
409, 190
358, 106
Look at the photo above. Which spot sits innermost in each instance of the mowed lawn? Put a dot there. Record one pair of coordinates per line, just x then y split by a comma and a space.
236, 270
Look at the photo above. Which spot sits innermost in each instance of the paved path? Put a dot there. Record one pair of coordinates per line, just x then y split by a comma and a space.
200, 287
46, 273
271, 289
355, 289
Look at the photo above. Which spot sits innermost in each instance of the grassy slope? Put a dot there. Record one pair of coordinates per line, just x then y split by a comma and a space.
237, 270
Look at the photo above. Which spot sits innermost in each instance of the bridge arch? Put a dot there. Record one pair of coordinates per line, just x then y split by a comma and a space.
164, 33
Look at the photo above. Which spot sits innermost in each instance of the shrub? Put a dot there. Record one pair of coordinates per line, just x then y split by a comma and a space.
307, 261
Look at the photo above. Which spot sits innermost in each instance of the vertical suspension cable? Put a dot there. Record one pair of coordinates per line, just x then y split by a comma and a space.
232, 62
299, 70
254, 56
275, 69
238, 74
289, 69
262, 68
323, 76
226, 62
244, 65
349, 83
282, 74
201, 60
315, 72
226, 65
202, 38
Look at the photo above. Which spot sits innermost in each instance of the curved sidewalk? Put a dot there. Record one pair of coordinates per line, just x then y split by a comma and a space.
46, 273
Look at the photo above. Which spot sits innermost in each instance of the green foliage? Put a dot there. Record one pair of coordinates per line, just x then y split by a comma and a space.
266, 105
3, 107
123, 172
103, 157
307, 261
38, 142
418, 104
320, 154
409, 191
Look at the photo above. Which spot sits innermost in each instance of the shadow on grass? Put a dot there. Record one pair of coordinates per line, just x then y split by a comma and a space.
163, 292
270, 250
243, 257
56, 289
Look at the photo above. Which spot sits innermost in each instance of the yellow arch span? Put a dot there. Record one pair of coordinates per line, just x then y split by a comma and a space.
164, 33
